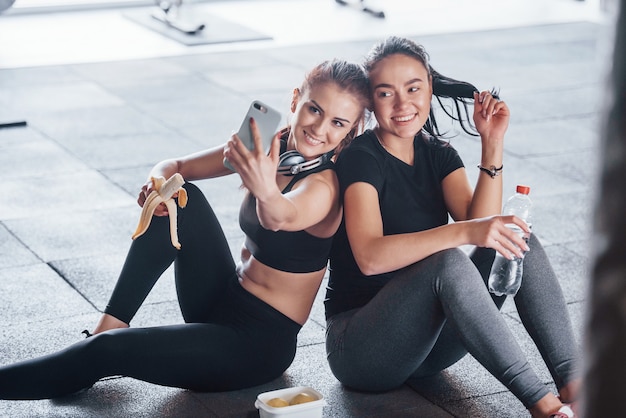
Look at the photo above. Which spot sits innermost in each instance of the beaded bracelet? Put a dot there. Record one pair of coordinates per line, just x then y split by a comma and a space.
492, 170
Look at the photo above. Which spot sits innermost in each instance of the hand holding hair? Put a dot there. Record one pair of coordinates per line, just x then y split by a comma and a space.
491, 116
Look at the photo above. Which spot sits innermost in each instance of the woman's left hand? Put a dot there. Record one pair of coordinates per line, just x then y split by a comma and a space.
491, 116
256, 169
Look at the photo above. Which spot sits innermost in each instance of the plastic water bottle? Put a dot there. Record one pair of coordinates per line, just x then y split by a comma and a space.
506, 275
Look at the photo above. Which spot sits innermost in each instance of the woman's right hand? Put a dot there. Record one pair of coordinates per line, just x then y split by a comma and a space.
492, 232
196, 166
145, 191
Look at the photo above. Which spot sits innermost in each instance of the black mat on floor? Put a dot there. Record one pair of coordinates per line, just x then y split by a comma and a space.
216, 29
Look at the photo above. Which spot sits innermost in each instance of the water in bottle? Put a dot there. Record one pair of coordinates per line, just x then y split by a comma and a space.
505, 277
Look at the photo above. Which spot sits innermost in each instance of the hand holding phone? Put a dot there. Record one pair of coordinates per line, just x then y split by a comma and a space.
267, 120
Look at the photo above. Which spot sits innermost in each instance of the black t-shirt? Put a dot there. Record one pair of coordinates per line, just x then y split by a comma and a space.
410, 200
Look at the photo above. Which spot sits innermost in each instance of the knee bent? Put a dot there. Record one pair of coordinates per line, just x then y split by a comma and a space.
452, 263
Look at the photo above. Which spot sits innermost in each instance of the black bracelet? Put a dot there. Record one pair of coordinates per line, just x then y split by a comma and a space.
492, 170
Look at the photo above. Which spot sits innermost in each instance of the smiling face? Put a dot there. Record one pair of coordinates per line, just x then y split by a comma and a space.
323, 115
402, 91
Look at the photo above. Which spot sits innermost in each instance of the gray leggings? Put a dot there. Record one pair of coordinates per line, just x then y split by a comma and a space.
430, 314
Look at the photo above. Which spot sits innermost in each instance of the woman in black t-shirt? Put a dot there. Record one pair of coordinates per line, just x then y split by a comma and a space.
403, 302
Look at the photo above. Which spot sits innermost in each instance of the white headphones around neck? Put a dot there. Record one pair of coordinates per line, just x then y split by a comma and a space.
292, 162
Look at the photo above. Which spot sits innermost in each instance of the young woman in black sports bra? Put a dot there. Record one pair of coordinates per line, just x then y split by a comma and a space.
241, 320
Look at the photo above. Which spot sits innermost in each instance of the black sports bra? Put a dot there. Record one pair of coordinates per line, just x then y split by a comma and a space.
294, 252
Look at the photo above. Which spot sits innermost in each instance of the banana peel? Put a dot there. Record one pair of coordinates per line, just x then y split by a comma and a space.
163, 192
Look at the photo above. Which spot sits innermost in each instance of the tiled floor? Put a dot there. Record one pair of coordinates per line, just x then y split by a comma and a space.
101, 109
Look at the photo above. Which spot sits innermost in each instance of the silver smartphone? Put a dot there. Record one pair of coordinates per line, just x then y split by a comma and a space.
267, 119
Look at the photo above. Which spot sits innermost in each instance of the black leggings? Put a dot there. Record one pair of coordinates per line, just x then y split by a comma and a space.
430, 314
231, 339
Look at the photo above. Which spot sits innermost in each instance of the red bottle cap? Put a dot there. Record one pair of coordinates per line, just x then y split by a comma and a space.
523, 189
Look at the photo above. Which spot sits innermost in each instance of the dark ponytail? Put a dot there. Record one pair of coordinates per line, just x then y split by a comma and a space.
461, 93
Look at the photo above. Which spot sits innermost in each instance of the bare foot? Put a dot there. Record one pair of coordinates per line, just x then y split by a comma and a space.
546, 406
108, 322
569, 393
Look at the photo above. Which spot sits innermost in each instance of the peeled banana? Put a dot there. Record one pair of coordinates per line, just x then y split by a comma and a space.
162, 193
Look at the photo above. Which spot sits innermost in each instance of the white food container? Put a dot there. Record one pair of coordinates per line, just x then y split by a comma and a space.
311, 409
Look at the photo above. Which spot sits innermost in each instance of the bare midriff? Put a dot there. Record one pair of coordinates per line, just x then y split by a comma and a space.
290, 293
